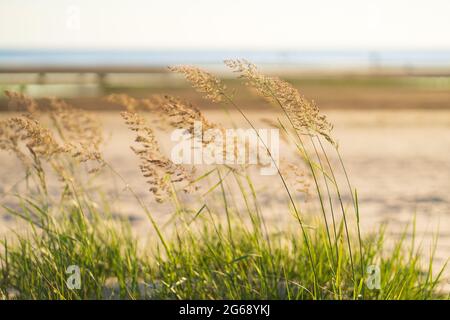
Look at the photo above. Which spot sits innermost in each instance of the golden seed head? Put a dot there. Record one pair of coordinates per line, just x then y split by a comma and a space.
21, 102
130, 103
159, 170
183, 115
304, 115
19, 132
80, 132
204, 82
298, 178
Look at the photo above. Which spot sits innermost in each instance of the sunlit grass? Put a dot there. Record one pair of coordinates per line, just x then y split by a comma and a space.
225, 252
201, 262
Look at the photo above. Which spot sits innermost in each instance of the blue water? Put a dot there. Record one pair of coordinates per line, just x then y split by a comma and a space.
320, 59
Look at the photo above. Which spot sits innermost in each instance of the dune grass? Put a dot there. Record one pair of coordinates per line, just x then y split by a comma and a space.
208, 253
204, 262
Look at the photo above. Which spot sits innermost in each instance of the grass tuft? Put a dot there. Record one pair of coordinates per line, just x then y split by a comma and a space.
74, 248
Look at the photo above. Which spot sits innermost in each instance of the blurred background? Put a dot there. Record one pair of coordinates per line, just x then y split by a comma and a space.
380, 71
351, 54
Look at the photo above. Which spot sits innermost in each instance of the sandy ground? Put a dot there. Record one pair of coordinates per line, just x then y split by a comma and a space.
399, 161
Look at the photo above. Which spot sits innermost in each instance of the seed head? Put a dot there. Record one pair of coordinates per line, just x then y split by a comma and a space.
303, 114
298, 178
159, 170
131, 104
20, 101
19, 132
80, 132
204, 82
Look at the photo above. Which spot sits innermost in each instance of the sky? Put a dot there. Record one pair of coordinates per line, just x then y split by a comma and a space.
225, 24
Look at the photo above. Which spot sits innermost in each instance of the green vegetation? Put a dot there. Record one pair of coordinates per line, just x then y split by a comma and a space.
201, 262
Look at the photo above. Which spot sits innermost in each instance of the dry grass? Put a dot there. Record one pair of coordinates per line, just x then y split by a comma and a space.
159, 170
